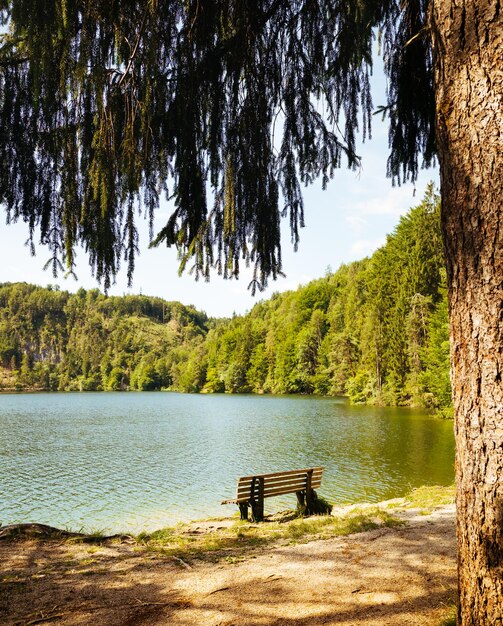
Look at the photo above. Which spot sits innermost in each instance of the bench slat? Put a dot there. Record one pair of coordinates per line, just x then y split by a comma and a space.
292, 480
236, 500
276, 483
308, 469
279, 478
278, 491
292, 485
297, 485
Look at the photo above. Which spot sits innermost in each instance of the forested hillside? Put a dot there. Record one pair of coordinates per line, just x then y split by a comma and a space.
375, 330
55, 340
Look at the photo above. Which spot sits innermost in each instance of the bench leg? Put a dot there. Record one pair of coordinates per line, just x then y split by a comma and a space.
311, 498
260, 510
301, 498
257, 499
243, 510
257, 507
306, 501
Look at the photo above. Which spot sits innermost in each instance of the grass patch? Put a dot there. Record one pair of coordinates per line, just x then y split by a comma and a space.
232, 543
95, 536
12, 580
428, 497
319, 506
450, 618
447, 413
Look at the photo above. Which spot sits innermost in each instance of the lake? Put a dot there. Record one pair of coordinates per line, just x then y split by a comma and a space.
131, 461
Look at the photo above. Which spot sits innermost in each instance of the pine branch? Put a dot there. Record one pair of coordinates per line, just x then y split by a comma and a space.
135, 50
14, 62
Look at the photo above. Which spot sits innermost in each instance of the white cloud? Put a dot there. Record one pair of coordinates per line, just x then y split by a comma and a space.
365, 247
292, 281
356, 222
395, 201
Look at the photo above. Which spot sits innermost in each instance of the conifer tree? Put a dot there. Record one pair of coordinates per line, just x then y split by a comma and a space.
106, 104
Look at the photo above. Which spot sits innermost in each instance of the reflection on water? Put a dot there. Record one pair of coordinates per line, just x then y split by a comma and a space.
129, 461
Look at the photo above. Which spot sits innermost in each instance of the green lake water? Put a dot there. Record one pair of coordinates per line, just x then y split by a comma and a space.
132, 461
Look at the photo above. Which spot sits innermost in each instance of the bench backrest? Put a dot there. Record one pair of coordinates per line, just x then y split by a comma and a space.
277, 484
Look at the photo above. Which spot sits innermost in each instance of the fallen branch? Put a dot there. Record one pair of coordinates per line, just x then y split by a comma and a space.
41, 619
34, 530
96, 607
217, 590
271, 579
182, 562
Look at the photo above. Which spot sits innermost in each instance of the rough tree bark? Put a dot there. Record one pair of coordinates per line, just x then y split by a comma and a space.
468, 59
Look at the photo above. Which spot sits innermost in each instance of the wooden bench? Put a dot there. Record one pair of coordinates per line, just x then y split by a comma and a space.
252, 490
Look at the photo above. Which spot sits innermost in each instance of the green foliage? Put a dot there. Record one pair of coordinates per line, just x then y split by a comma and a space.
375, 330
428, 497
115, 380
451, 617
435, 376
319, 506
361, 388
242, 537
88, 341
101, 101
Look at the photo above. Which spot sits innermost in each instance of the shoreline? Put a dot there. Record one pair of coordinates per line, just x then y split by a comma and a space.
424, 498
397, 506
387, 565
441, 413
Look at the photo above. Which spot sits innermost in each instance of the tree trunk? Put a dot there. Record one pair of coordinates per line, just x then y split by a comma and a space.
468, 61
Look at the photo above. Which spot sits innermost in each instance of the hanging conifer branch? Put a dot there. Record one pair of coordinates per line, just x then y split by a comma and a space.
137, 97
135, 49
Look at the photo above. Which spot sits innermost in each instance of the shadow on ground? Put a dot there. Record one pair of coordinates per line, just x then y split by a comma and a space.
387, 577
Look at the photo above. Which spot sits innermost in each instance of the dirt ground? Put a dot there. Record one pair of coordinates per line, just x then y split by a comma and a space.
386, 577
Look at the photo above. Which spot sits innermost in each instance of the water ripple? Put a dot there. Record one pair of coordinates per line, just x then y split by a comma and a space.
131, 461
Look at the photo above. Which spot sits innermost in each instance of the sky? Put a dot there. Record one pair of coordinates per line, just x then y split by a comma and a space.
347, 221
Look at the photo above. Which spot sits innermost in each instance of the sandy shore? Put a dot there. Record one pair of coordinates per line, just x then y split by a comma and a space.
404, 575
